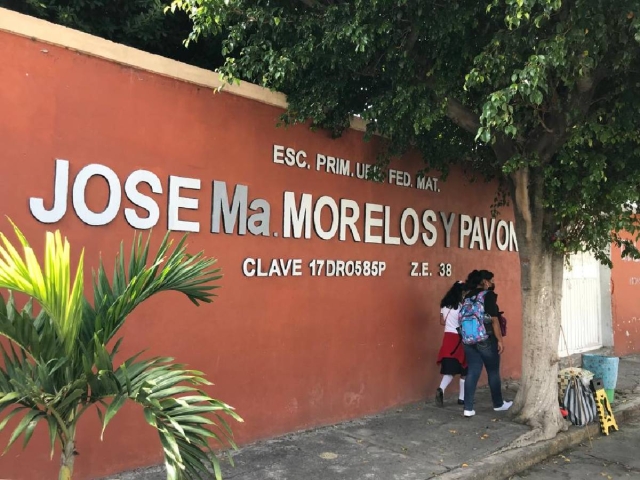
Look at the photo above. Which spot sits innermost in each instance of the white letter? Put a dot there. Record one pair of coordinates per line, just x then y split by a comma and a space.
301, 163
326, 201
388, 239
476, 237
259, 222
448, 225
278, 151
220, 208
290, 158
465, 228
141, 200
502, 245
513, 240
488, 232
60, 191
349, 220
115, 195
370, 222
261, 272
409, 240
245, 267
429, 240
300, 219
296, 271
176, 202
274, 269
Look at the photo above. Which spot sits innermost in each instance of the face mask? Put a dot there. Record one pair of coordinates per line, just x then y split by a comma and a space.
492, 287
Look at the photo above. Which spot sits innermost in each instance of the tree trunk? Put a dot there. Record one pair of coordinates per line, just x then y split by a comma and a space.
67, 460
536, 403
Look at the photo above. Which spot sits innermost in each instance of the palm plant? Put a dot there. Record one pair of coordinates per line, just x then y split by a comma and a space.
59, 361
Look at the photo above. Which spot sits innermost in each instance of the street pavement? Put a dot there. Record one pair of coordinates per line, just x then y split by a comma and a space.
612, 457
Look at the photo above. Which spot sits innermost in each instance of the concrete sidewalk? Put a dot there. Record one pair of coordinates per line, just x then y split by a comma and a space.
415, 442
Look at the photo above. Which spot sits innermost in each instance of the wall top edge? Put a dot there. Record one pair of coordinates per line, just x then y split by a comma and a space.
75, 40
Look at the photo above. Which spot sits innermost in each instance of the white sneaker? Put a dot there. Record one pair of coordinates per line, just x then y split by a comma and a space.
469, 413
505, 406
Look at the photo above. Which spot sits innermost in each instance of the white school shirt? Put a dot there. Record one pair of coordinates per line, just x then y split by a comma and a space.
450, 316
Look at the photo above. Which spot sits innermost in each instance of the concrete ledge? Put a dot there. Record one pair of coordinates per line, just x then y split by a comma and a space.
504, 465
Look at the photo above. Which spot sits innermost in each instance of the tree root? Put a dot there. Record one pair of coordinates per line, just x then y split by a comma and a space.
542, 429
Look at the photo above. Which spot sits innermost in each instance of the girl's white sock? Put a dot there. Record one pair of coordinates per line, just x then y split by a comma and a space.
461, 396
446, 380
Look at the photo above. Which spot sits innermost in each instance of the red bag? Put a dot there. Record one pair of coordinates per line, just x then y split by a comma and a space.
503, 324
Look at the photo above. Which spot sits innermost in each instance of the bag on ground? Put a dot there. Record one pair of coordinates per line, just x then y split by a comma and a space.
580, 403
566, 374
471, 317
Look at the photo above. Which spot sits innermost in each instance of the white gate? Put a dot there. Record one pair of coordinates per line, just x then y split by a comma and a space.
581, 305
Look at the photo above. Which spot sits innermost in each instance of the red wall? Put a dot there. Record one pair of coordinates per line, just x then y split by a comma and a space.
625, 278
288, 353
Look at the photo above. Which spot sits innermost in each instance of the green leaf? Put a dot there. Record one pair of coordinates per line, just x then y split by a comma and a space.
28, 433
69, 399
53, 432
150, 418
10, 415
54, 290
114, 407
9, 397
25, 426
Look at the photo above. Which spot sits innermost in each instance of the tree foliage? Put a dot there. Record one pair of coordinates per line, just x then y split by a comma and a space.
546, 88
141, 24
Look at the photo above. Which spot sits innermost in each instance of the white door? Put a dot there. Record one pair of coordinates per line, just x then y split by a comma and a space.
581, 306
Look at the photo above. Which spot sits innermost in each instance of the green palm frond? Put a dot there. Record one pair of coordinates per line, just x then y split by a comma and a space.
59, 363
176, 406
170, 269
34, 335
26, 386
53, 289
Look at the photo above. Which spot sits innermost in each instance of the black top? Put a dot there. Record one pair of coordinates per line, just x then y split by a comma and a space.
490, 301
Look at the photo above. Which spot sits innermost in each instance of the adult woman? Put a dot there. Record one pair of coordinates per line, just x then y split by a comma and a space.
487, 352
451, 356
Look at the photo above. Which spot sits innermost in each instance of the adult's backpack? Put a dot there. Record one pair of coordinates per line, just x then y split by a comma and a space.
471, 317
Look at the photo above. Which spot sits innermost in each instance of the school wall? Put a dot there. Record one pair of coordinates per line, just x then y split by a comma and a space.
625, 280
289, 352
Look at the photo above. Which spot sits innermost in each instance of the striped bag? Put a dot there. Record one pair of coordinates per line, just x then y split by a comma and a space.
580, 403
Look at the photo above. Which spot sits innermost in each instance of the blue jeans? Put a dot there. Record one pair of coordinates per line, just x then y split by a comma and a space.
484, 353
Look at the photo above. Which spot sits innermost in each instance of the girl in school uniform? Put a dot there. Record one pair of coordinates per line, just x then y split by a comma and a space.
451, 357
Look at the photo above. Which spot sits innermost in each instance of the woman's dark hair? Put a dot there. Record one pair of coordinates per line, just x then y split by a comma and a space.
476, 277
453, 298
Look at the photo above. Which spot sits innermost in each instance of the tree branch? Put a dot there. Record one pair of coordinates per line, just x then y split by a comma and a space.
462, 116
551, 134
412, 39
521, 196
310, 3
